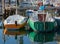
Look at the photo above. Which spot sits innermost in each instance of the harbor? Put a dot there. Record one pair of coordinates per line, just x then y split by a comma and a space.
29, 37
29, 21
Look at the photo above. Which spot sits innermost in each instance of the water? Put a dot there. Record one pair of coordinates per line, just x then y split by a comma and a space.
30, 37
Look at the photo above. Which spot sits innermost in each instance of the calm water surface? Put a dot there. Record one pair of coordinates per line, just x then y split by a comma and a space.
30, 37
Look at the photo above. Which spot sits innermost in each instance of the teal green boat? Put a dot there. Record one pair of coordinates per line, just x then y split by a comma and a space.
41, 21
39, 26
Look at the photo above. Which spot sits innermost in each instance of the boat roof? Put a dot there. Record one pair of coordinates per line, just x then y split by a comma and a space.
49, 8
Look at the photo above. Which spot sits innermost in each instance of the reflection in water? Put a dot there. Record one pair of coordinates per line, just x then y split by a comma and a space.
57, 37
11, 37
41, 37
35, 38
15, 36
21, 40
18, 35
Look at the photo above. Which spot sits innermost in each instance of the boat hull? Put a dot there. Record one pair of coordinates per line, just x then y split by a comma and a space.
39, 26
11, 26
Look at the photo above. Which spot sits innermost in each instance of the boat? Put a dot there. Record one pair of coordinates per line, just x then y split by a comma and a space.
57, 18
32, 4
15, 21
41, 21
39, 26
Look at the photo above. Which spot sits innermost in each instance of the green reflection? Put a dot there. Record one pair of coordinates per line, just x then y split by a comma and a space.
41, 37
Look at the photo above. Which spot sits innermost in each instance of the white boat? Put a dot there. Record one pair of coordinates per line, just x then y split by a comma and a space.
15, 21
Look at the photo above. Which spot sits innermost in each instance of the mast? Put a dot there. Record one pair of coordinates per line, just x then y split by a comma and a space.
43, 17
16, 7
21, 40
3, 6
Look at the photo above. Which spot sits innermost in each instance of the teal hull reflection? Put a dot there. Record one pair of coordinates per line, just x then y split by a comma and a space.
41, 37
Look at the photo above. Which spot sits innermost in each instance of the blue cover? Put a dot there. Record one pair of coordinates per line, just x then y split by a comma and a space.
41, 7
